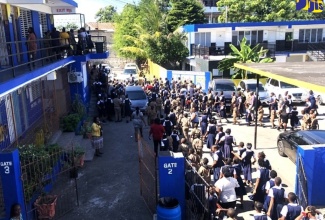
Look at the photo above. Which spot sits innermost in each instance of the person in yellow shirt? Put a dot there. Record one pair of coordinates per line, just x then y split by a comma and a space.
97, 136
64, 37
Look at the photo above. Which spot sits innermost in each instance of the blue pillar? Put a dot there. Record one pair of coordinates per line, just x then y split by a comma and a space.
37, 28
11, 181
50, 26
172, 177
313, 163
12, 39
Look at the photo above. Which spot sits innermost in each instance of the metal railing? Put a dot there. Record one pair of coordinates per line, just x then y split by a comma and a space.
302, 184
317, 51
197, 195
17, 57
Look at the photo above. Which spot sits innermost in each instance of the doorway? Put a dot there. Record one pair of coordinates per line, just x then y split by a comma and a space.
288, 41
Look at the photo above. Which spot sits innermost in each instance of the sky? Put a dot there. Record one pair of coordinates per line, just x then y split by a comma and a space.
90, 7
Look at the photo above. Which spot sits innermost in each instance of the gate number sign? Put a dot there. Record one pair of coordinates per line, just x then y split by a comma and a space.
6, 166
169, 167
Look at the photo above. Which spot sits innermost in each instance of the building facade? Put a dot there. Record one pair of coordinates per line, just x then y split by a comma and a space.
209, 43
38, 77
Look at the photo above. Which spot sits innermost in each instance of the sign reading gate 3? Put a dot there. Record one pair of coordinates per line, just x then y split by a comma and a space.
6, 166
63, 10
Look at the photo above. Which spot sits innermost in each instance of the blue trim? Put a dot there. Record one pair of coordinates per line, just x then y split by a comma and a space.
4, 87
71, 2
195, 27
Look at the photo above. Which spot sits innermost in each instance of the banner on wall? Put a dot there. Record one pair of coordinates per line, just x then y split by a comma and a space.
201, 79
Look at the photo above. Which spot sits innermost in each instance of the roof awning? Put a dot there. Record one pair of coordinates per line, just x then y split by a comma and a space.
308, 75
47, 6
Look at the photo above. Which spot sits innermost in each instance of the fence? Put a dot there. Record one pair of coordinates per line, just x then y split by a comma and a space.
49, 172
197, 195
302, 184
148, 174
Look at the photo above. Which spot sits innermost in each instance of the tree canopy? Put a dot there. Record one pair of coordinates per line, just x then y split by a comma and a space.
184, 12
262, 10
141, 32
245, 54
106, 14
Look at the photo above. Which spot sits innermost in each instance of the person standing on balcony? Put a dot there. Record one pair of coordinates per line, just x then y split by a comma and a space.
32, 46
64, 40
72, 42
55, 40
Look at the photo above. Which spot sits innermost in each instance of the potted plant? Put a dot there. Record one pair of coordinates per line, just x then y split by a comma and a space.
79, 156
45, 206
86, 129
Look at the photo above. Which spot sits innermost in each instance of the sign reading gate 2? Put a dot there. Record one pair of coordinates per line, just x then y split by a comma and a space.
6, 166
169, 167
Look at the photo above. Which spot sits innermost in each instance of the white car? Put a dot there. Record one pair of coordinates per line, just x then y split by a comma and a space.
250, 85
130, 70
298, 95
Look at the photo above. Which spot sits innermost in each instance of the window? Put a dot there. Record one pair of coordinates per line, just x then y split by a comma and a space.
274, 82
43, 23
310, 35
252, 37
224, 87
204, 39
25, 21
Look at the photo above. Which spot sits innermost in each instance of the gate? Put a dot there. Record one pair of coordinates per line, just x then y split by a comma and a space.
197, 195
49, 172
148, 174
302, 184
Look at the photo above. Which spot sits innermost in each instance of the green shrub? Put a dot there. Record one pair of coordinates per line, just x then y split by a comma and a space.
70, 122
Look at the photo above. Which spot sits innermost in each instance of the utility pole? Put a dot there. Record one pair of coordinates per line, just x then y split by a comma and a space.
226, 14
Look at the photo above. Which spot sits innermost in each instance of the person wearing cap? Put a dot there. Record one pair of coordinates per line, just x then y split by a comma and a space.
225, 188
259, 215
292, 210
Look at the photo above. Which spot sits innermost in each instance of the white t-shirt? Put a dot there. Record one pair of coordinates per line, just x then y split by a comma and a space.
284, 210
227, 188
215, 156
267, 185
258, 173
224, 137
247, 150
277, 187
260, 214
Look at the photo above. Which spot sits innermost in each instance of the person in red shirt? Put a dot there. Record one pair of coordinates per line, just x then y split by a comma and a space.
156, 131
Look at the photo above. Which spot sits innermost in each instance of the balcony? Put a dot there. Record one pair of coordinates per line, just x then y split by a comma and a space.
18, 60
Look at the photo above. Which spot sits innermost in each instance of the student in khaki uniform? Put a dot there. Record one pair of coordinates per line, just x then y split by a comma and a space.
197, 144
273, 116
204, 170
117, 109
159, 103
305, 120
152, 114
194, 158
260, 112
235, 114
185, 124
184, 148
195, 131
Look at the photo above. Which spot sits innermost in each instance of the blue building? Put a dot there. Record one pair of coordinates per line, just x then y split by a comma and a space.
36, 92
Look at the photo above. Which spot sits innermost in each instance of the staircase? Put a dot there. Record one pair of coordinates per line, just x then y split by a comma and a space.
316, 52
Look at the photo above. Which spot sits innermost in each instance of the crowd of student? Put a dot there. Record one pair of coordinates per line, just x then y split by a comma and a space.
170, 130
182, 118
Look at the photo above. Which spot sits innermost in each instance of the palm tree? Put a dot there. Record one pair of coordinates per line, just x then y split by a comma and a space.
246, 54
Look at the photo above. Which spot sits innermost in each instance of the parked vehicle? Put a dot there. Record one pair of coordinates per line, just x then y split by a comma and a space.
289, 141
298, 95
225, 85
250, 84
137, 96
129, 69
